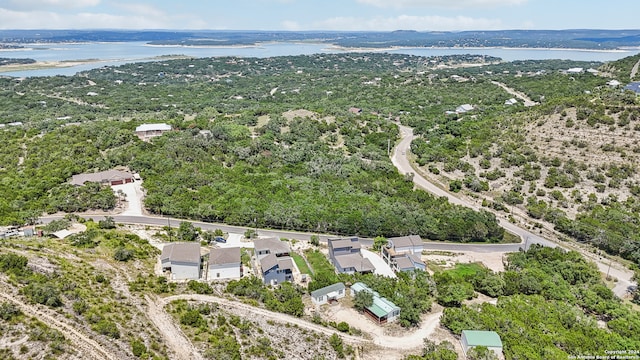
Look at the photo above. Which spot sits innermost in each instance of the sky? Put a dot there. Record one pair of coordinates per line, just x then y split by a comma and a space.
367, 15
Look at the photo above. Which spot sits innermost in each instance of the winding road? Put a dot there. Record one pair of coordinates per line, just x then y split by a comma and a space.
401, 160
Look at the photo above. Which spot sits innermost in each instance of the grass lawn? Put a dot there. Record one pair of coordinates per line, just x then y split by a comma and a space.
320, 264
462, 271
301, 264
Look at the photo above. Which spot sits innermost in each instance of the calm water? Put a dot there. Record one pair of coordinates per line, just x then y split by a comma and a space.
127, 52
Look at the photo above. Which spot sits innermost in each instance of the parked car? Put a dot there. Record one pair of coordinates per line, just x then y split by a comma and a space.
220, 239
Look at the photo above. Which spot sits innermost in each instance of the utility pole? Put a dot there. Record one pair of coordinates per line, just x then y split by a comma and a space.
609, 269
388, 146
169, 227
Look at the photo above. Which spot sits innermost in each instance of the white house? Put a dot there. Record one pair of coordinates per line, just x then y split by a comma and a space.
464, 108
224, 264
328, 293
511, 101
148, 131
182, 259
489, 339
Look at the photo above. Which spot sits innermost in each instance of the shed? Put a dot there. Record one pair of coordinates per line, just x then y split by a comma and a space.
381, 310
489, 339
328, 293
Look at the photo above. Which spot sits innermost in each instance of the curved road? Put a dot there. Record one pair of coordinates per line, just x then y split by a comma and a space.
401, 160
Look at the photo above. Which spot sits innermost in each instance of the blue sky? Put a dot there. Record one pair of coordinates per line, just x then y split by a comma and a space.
445, 15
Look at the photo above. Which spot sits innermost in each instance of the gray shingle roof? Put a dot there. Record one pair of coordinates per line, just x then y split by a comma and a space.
406, 241
356, 261
274, 245
224, 256
181, 252
99, 177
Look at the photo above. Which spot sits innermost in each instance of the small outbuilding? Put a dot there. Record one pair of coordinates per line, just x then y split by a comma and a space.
328, 294
381, 310
489, 339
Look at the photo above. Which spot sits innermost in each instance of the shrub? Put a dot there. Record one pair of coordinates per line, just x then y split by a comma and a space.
108, 328
342, 327
123, 254
138, 348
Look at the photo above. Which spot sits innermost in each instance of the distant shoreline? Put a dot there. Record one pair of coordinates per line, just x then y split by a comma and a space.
389, 48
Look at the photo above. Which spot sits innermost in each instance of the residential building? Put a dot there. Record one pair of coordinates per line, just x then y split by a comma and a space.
355, 110
403, 253
381, 310
511, 101
274, 260
489, 339
182, 260
345, 255
328, 294
147, 131
276, 270
109, 177
266, 246
464, 108
224, 264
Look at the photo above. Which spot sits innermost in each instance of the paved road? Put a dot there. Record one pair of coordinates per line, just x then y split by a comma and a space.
401, 160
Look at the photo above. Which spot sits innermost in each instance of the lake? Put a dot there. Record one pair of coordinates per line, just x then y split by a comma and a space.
128, 52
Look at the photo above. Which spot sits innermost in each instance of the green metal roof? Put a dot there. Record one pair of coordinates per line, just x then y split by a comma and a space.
327, 289
482, 338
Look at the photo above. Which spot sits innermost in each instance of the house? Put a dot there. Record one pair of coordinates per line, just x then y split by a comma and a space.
511, 101
109, 177
148, 131
464, 108
274, 260
576, 70
328, 294
355, 110
276, 270
182, 259
224, 264
403, 253
613, 83
62, 234
345, 255
381, 310
489, 339
266, 246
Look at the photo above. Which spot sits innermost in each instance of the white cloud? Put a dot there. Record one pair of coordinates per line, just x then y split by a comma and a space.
457, 4
36, 5
140, 9
85, 20
290, 25
409, 22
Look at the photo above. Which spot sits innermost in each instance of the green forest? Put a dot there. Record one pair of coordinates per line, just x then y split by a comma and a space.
272, 143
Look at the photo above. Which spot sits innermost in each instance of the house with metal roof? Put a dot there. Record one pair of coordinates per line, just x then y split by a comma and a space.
182, 260
381, 310
224, 264
147, 131
633, 86
328, 294
489, 339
